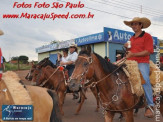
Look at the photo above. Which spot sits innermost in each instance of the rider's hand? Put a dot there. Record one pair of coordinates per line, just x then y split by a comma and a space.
129, 54
126, 45
62, 63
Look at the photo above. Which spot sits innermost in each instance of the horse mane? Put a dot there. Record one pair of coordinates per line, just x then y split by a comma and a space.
107, 66
46, 62
18, 92
84, 52
55, 114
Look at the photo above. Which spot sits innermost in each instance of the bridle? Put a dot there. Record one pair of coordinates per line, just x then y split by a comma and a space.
43, 83
39, 75
89, 60
119, 82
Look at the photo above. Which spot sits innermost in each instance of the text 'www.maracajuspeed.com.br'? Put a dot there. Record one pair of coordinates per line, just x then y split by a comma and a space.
52, 16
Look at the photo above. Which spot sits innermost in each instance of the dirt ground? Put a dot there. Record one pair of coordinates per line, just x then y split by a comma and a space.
87, 113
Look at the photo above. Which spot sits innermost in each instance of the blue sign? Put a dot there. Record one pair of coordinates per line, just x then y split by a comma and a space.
94, 38
17, 112
46, 48
120, 36
155, 40
115, 35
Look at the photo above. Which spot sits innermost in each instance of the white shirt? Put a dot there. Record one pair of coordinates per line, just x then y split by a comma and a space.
64, 59
72, 56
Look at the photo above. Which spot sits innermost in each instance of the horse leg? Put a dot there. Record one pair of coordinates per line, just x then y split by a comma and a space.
109, 116
94, 91
128, 115
120, 117
79, 98
81, 103
61, 101
136, 111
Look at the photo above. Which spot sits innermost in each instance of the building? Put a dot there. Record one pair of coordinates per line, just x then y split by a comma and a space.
107, 43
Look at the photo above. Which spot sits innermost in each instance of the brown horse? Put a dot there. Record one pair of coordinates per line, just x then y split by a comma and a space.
113, 85
53, 77
44, 101
43, 63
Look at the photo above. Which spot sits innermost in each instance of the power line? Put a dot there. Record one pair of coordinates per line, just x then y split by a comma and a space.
137, 9
110, 13
137, 5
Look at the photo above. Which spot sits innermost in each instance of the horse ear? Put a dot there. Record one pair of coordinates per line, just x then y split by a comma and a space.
89, 49
83, 48
33, 66
38, 66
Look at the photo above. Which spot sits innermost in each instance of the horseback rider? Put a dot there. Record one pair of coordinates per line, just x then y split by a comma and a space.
71, 58
70, 63
140, 50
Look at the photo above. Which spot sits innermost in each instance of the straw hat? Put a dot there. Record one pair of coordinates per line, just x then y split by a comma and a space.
1, 32
73, 45
118, 55
145, 21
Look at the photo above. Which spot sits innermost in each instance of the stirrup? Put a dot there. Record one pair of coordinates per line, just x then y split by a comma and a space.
151, 109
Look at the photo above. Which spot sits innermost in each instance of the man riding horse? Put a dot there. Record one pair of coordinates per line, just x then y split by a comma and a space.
70, 63
141, 48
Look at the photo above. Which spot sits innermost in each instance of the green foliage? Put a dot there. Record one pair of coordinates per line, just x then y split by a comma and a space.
14, 58
23, 58
11, 67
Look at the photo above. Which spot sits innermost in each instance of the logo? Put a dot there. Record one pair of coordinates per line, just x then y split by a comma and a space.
17, 112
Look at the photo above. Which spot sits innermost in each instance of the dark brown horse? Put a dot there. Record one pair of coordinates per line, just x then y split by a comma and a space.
53, 77
111, 81
44, 101
43, 63
46, 62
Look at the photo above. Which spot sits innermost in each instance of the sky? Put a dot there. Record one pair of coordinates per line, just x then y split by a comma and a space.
22, 36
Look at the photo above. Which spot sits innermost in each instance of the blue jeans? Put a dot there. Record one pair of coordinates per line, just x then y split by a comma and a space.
144, 69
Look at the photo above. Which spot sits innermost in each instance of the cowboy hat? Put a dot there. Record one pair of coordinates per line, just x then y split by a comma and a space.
118, 55
73, 45
145, 21
1, 32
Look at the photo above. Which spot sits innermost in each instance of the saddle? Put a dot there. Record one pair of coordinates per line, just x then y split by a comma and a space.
136, 79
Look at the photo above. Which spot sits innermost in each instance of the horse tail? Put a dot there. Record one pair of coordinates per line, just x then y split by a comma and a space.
55, 115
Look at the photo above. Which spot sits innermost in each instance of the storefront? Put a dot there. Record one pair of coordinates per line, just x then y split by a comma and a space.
107, 43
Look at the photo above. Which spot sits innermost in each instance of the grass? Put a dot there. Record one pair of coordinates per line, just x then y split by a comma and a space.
13, 67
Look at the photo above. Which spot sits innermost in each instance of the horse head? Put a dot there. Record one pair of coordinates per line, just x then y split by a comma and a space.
43, 63
30, 74
38, 75
83, 69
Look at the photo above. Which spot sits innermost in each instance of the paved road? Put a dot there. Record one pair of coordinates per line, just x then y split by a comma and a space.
87, 113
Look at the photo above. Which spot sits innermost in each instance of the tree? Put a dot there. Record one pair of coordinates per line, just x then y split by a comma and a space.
14, 58
23, 59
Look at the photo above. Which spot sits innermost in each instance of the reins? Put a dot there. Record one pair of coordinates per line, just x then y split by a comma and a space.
118, 82
95, 83
42, 84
